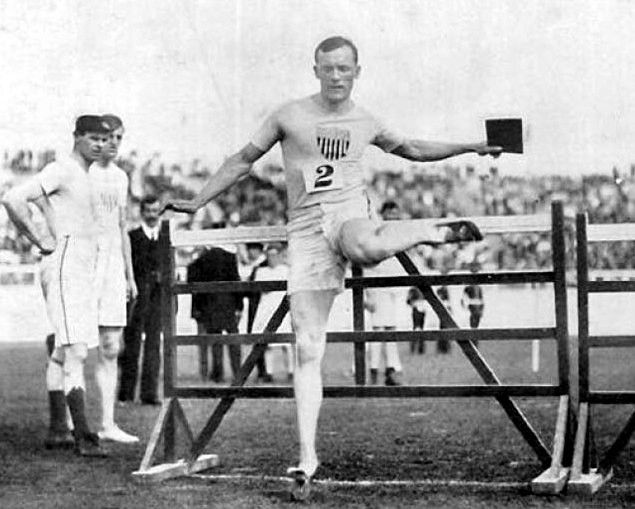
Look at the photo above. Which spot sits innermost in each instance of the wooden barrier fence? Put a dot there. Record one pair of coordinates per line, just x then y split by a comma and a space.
555, 461
590, 470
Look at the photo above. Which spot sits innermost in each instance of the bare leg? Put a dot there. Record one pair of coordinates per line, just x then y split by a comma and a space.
309, 313
365, 242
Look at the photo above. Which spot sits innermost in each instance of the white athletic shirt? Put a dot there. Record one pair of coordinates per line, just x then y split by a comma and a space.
68, 189
322, 150
109, 194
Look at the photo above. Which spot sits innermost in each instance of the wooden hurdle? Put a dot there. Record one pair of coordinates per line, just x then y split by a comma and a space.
555, 462
589, 470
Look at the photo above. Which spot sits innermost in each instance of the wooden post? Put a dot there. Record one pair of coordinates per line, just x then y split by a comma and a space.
168, 319
358, 325
583, 308
558, 254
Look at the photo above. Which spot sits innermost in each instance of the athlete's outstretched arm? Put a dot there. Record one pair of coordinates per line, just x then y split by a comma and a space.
227, 175
16, 201
424, 151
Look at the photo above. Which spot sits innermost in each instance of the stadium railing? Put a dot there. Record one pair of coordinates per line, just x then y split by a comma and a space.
554, 461
590, 469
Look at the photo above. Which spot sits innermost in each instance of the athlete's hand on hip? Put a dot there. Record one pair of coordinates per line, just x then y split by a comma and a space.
483, 149
186, 206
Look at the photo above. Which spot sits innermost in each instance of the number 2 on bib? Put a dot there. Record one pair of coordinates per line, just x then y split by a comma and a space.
323, 178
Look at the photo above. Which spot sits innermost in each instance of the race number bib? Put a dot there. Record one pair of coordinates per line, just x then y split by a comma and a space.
324, 177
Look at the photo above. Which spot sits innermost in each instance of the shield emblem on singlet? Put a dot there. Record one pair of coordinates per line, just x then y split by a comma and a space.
333, 142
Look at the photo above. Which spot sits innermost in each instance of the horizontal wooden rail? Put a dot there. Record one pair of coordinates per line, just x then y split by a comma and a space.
611, 286
612, 397
492, 278
610, 232
519, 334
610, 341
242, 234
352, 391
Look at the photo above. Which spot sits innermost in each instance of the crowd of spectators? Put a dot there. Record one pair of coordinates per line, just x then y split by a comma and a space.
431, 191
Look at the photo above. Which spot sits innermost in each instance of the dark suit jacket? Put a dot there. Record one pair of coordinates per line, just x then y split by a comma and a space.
218, 309
145, 261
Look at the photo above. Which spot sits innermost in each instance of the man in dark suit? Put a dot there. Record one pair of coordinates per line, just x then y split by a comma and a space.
145, 313
219, 311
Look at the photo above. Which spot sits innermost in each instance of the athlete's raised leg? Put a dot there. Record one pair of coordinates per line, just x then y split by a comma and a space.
365, 241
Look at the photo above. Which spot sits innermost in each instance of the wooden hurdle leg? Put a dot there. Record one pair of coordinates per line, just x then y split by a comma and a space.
585, 479
482, 368
590, 482
147, 473
554, 479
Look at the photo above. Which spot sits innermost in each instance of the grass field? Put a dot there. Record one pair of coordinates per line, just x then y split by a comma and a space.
459, 453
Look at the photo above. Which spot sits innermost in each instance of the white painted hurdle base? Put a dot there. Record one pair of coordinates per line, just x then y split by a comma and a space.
588, 484
551, 482
158, 473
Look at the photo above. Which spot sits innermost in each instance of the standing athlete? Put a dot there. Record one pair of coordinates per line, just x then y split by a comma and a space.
115, 279
323, 138
62, 191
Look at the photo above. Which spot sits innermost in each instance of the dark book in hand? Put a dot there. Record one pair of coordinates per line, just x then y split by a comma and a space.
506, 133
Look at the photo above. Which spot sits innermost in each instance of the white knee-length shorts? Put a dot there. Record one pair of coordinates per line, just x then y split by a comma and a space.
68, 284
315, 259
111, 283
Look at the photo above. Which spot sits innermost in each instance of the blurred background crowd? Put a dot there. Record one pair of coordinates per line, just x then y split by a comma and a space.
420, 191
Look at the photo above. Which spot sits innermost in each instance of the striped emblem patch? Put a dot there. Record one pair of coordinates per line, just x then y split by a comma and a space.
333, 142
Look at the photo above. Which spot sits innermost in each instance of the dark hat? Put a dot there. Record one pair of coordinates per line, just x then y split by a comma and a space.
91, 124
112, 120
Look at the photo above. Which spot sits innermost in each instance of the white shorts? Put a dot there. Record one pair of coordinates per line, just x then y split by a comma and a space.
68, 284
315, 259
111, 283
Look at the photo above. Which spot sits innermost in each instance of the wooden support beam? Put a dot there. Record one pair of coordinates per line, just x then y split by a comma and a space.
482, 368
611, 286
362, 391
611, 397
358, 326
156, 434
589, 483
488, 225
357, 281
580, 440
521, 334
611, 232
180, 468
553, 480
611, 341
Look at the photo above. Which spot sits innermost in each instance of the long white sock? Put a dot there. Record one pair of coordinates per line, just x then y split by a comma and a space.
106, 374
106, 377
308, 395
